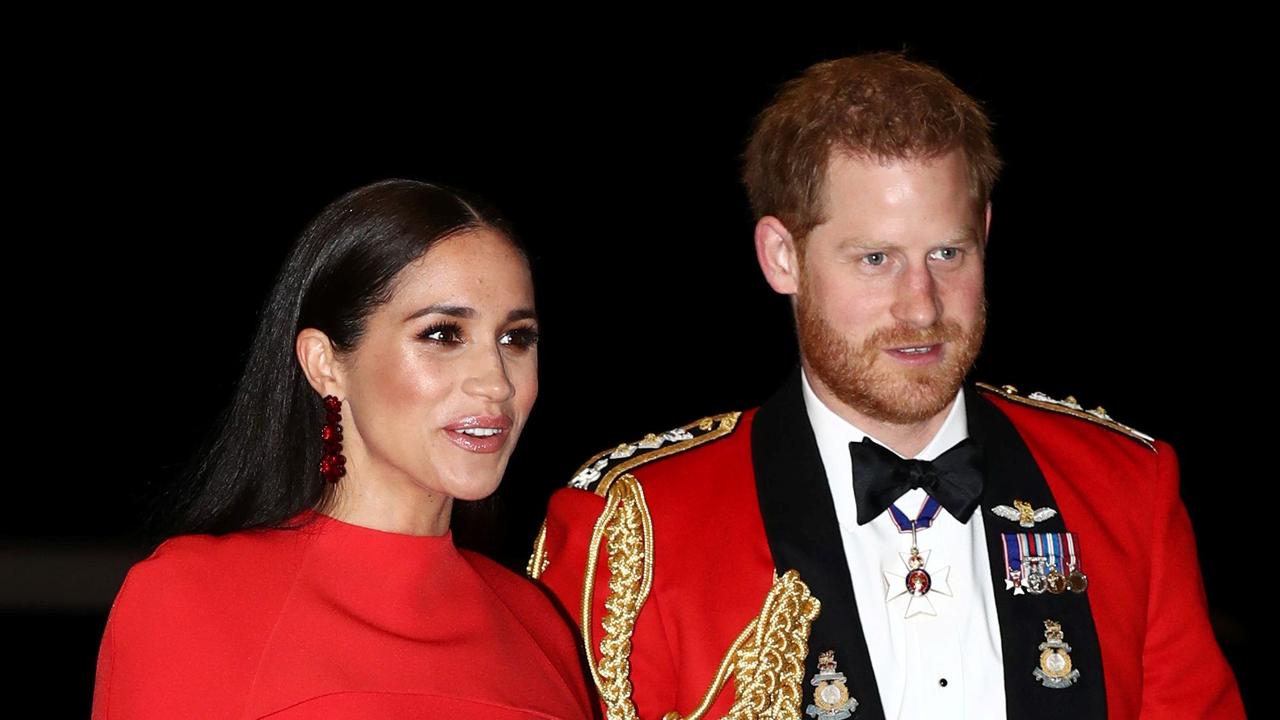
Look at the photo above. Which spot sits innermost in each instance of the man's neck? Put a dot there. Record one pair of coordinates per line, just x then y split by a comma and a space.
905, 439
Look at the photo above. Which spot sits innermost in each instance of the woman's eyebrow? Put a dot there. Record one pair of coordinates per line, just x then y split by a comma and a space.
459, 311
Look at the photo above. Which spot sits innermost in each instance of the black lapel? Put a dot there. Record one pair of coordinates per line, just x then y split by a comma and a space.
1012, 473
803, 534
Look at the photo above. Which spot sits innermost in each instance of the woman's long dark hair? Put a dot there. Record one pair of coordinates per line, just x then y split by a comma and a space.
260, 467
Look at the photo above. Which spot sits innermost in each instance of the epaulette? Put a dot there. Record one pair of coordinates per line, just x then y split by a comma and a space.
765, 662
598, 473
1069, 406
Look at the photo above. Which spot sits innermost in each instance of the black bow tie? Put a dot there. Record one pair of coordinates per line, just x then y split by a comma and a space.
954, 478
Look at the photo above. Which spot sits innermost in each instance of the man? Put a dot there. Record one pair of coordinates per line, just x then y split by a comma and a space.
1029, 558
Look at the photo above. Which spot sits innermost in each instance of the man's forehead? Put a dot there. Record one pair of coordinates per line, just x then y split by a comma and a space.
851, 177
845, 160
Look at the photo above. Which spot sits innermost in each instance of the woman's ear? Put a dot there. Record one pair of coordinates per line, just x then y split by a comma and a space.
319, 361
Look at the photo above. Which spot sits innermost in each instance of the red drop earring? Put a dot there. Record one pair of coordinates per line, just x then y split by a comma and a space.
333, 465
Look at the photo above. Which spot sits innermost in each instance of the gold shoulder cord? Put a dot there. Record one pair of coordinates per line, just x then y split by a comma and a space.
766, 660
538, 560
626, 525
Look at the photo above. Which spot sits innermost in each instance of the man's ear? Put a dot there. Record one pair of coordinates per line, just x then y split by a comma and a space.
776, 253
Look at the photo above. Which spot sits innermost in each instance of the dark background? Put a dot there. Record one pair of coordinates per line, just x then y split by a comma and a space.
165, 184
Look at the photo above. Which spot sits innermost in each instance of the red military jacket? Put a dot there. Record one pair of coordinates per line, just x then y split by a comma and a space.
706, 570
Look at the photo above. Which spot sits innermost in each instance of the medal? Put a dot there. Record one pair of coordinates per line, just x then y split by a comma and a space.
1013, 581
1037, 563
916, 583
1036, 582
918, 580
1077, 581
831, 700
1056, 581
1055, 669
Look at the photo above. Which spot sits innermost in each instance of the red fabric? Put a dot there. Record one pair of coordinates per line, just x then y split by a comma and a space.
332, 621
713, 567
1121, 500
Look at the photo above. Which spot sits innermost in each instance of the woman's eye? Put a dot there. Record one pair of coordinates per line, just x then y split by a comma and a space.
443, 333
522, 338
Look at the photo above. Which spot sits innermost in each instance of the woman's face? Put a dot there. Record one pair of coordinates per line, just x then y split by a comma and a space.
442, 382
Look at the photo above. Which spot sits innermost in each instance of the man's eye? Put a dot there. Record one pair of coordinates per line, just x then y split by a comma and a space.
947, 253
876, 259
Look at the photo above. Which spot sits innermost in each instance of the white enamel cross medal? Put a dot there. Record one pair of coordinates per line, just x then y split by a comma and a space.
917, 582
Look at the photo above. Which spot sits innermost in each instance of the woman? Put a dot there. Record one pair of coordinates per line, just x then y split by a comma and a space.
393, 370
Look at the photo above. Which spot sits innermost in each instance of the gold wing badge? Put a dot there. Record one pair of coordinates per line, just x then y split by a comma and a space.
1023, 513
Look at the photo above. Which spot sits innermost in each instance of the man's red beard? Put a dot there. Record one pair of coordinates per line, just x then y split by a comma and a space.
903, 395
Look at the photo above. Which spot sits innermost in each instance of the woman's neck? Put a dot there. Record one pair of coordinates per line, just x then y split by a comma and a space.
402, 509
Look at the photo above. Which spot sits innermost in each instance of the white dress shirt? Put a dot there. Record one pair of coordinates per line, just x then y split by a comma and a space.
928, 666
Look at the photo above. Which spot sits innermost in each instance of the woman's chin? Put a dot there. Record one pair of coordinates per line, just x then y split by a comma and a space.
473, 496
472, 489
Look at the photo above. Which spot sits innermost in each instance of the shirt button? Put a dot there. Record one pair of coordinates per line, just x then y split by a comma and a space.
942, 682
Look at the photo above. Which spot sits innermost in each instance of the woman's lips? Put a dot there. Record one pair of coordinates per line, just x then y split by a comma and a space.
479, 433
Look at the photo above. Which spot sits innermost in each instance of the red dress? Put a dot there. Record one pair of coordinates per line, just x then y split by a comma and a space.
333, 621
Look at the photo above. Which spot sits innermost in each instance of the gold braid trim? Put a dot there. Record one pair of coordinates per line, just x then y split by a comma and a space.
628, 530
1069, 406
609, 464
538, 560
712, 428
767, 659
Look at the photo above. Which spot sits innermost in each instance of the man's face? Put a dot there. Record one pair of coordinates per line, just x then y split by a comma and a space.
889, 304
